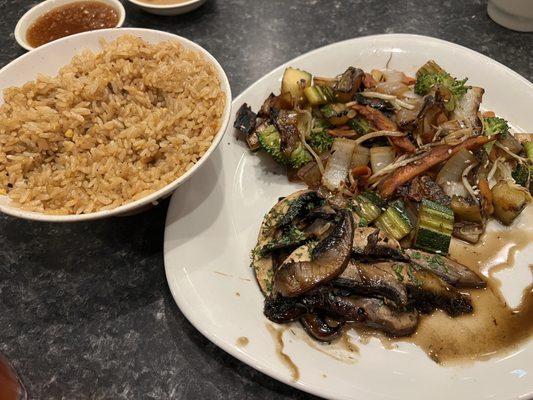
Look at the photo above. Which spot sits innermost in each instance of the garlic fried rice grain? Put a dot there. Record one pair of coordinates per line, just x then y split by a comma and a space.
110, 128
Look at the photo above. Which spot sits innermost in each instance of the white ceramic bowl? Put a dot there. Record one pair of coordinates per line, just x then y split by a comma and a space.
31, 15
48, 58
169, 9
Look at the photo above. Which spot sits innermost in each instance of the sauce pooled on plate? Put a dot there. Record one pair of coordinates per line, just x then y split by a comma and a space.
69, 19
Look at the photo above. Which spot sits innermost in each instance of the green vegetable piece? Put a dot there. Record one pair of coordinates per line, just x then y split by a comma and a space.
294, 82
395, 220
522, 174
368, 206
494, 126
319, 139
528, 147
431, 75
299, 157
361, 125
269, 140
319, 95
434, 227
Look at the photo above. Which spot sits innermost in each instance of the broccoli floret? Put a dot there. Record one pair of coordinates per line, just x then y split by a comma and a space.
361, 125
494, 126
521, 174
431, 74
299, 157
270, 141
320, 140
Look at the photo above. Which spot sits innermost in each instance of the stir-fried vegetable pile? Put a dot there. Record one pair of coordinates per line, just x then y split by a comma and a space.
395, 167
441, 166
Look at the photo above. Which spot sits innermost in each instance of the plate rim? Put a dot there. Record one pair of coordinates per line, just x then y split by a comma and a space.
232, 349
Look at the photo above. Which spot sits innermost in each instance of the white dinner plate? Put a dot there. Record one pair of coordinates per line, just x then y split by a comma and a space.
213, 221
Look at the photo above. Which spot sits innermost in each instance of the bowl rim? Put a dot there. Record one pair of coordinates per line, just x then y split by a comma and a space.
43, 7
154, 197
141, 3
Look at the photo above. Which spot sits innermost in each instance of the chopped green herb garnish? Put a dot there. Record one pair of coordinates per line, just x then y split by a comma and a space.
398, 269
412, 276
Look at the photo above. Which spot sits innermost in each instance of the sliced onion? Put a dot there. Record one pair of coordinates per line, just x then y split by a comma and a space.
505, 172
376, 134
394, 88
457, 136
380, 157
450, 176
360, 156
392, 75
338, 163
466, 184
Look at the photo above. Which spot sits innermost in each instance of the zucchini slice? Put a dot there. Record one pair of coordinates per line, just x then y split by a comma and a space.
337, 113
368, 206
434, 228
395, 220
319, 95
294, 82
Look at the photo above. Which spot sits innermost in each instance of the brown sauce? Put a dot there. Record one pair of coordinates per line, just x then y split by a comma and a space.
496, 327
243, 341
277, 335
69, 19
493, 329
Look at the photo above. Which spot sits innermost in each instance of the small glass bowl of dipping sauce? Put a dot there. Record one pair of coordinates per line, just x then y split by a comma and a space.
168, 7
54, 19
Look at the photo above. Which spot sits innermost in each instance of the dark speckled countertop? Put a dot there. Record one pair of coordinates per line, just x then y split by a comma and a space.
85, 311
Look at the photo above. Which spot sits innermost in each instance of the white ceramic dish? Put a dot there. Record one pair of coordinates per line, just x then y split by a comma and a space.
31, 15
53, 56
212, 224
169, 9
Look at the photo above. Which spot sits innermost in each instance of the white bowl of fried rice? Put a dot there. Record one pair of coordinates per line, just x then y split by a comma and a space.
106, 123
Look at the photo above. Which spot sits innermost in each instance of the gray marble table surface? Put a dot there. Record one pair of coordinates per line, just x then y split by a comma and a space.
85, 310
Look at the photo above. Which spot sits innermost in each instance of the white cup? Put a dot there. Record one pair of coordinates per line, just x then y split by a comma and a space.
513, 14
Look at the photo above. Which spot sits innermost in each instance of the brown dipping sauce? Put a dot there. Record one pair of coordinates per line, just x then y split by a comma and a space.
69, 19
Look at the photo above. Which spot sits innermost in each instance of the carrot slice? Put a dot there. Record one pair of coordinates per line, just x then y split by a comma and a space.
486, 196
383, 123
437, 155
403, 143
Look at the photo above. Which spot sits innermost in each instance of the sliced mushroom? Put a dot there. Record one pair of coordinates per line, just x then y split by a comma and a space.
347, 84
428, 117
368, 280
451, 271
263, 264
245, 120
427, 291
468, 231
380, 316
341, 306
287, 123
318, 328
324, 262
371, 242
299, 207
